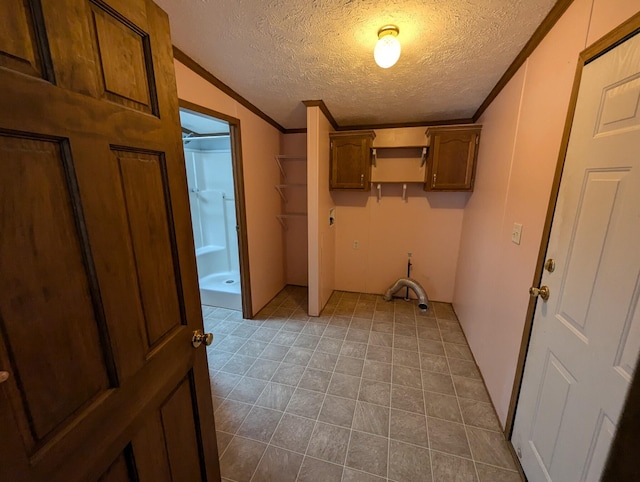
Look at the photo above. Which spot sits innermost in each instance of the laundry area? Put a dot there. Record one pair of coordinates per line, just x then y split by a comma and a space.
370, 390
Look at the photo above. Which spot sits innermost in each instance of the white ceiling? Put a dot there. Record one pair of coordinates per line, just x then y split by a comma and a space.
277, 53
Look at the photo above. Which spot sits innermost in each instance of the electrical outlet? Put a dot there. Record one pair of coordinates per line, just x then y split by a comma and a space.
516, 233
356, 244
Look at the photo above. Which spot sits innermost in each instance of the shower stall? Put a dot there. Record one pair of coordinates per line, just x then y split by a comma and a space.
207, 150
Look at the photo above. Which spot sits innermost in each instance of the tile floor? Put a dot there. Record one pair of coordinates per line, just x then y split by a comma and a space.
368, 391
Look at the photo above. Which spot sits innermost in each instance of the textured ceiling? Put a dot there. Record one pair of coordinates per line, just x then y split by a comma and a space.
277, 53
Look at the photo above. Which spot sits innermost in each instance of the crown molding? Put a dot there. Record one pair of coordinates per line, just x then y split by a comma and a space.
541, 32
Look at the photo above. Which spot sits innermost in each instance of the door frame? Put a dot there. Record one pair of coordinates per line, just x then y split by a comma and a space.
238, 192
618, 35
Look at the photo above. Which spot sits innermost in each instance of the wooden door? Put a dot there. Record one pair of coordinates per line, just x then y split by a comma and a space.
98, 288
586, 337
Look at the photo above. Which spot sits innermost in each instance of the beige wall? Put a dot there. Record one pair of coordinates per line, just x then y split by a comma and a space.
295, 237
322, 236
519, 150
428, 225
260, 143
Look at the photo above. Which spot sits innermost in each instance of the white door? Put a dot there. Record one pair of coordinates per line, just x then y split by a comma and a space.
586, 337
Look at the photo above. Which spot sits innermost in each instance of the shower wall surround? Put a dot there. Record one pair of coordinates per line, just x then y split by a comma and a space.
213, 215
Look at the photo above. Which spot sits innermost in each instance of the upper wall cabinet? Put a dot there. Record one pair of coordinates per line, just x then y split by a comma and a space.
350, 164
452, 158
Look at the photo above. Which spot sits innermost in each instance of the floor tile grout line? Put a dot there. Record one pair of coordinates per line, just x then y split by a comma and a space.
286, 406
252, 405
325, 398
246, 437
466, 432
244, 418
315, 424
393, 342
449, 454
346, 455
371, 403
426, 411
317, 419
221, 454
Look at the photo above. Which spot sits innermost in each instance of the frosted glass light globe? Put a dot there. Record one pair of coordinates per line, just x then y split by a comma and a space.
387, 50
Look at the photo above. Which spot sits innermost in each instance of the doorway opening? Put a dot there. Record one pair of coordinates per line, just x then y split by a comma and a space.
216, 198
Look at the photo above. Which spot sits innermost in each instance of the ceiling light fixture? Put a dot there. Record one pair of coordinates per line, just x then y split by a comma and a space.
387, 50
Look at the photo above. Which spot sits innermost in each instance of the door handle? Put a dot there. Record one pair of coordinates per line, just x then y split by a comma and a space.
4, 376
542, 292
199, 338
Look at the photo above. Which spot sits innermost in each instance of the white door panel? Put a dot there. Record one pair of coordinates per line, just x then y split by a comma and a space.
586, 338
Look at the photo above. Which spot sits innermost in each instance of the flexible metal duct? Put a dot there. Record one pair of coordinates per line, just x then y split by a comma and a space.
411, 284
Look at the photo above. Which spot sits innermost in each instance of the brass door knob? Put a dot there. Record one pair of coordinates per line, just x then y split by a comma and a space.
199, 338
542, 292
4, 376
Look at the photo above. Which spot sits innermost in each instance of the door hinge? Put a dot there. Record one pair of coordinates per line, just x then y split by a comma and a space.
433, 184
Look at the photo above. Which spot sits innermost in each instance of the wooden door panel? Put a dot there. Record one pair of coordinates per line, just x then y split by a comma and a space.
50, 303
148, 443
122, 469
85, 448
159, 447
20, 39
68, 36
144, 184
348, 173
99, 182
180, 429
459, 150
123, 55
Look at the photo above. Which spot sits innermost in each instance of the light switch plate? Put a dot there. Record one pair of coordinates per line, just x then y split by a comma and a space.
516, 233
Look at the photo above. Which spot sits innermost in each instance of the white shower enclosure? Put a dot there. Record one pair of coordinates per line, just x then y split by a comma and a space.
207, 150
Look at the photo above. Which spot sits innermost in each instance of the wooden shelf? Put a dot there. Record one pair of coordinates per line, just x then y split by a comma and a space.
280, 157
398, 164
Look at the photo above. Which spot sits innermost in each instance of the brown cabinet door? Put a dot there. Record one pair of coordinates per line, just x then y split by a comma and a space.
98, 287
350, 162
452, 158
